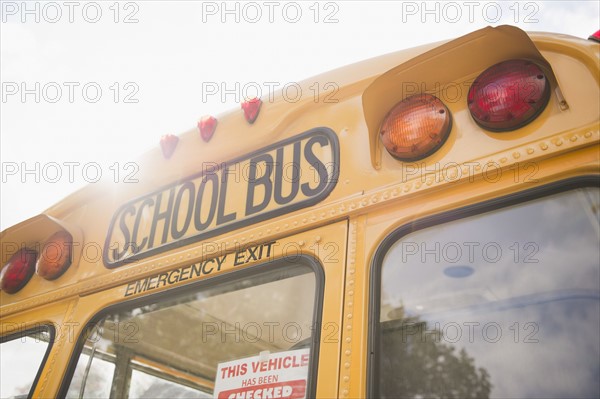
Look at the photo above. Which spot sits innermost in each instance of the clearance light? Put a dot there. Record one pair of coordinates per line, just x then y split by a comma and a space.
17, 272
168, 143
55, 257
207, 126
251, 108
416, 127
508, 95
595, 37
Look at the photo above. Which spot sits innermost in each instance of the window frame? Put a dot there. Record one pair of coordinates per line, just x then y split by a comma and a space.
397, 234
47, 327
248, 272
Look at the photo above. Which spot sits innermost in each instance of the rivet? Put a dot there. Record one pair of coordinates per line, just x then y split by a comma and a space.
346, 378
573, 138
559, 142
345, 393
301, 243
503, 160
346, 181
350, 304
349, 315
544, 146
516, 155
347, 365
530, 151
347, 352
587, 135
348, 339
350, 293
418, 185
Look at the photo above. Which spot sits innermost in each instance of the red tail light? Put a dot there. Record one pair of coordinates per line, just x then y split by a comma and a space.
508, 95
55, 257
595, 37
18, 270
416, 127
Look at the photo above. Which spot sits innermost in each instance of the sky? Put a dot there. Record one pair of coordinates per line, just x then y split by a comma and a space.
89, 86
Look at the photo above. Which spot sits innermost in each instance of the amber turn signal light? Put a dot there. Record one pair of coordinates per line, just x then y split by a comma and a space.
416, 127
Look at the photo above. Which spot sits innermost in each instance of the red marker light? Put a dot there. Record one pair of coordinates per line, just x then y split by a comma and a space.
508, 95
207, 126
56, 256
168, 143
416, 127
18, 270
251, 108
595, 37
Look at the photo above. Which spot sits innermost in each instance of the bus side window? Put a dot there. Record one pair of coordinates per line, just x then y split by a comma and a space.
502, 304
21, 360
176, 345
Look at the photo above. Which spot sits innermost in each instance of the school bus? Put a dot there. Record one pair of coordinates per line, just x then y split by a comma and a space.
431, 231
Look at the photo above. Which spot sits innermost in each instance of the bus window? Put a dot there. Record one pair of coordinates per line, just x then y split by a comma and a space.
21, 358
502, 304
173, 344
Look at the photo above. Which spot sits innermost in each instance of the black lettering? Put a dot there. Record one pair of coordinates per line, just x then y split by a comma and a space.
158, 215
220, 261
239, 258
221, 217
204, 270
152, 283
174, 273
125, 230
189, 187
129, 287
254, 181
141, 285
279, 178
185, 274
200, 226
252, 254
138, 247
162, 280
196, 270
316, 163
269, 245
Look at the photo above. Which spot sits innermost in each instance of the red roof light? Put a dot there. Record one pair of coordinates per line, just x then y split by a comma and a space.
251, 108
207, 126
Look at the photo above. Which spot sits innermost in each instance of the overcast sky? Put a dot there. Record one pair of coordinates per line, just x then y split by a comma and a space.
111, 78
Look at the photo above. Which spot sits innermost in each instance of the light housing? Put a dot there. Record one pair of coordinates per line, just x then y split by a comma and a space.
18, 270
416, 127
56, 256
508, 95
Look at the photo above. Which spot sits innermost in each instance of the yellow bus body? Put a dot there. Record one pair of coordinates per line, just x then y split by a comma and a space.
373, 195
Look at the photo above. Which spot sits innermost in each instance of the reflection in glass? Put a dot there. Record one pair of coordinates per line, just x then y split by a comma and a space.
172, 346
512, 295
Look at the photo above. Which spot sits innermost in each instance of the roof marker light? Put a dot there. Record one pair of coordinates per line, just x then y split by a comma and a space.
207, 125
251, 108
416, 127
56, 256
168, 143
508, 95
18, 270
